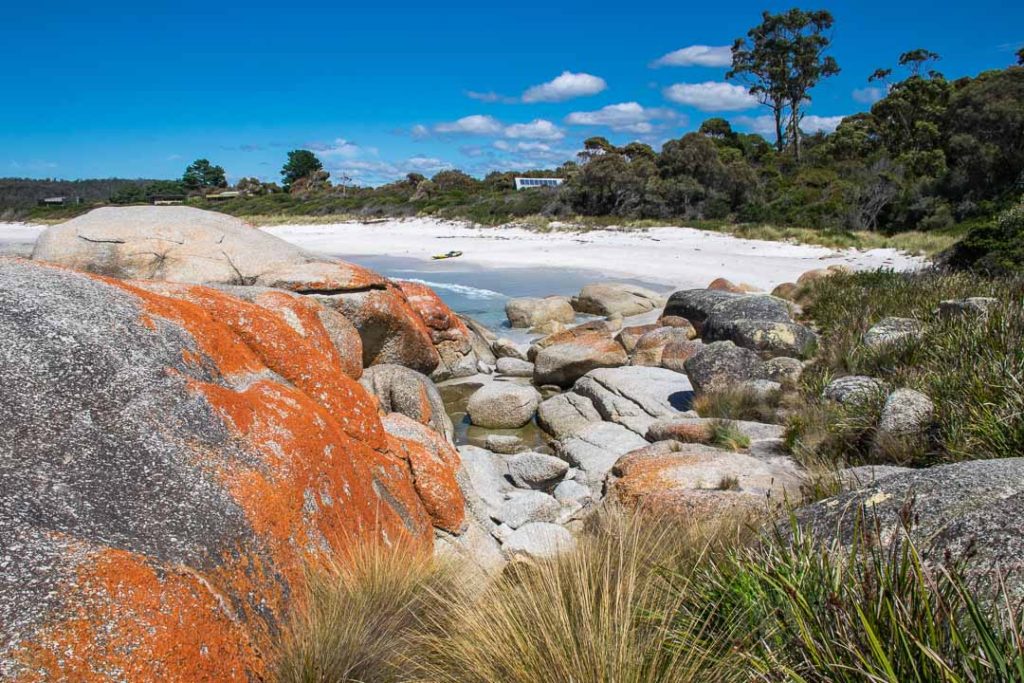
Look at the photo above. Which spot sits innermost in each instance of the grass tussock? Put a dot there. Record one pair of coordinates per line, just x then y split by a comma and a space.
604, 612
725, 434
972, 367
737, 403
656, 600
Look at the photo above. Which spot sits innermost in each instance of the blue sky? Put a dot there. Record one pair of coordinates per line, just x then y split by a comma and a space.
382, 88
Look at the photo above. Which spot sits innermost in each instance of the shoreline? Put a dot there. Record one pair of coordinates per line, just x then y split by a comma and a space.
669, 256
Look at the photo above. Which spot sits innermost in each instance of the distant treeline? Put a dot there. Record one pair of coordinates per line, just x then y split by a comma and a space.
25, 193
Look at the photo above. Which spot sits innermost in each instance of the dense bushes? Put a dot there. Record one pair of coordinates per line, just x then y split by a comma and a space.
994, 247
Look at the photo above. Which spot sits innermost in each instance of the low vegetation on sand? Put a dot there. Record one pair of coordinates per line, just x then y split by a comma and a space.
646, 599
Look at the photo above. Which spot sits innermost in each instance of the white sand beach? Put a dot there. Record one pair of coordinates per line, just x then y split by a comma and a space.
674, 257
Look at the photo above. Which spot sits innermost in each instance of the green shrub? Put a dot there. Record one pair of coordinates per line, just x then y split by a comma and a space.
995, 248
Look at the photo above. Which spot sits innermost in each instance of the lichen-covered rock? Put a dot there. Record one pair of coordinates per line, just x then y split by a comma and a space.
594, 328
564, 363
534, 312
629, 336
186, 245
784, 370
786, 290
769, 338
169, 463
890, 331
650, 348
401, 390
434, 463
721, 365
612, 298
506, 348
970, 512
747, 307
722, 284
972, 306
502, 405
452, 338
676, 353
595, 448
697, 480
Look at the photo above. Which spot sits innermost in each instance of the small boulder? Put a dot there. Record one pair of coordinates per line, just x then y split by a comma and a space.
815, 274
523, 507
502, 406
538, 540
629, 336
504, 443
723, 285
906, 417
784, 370
513, 367
852, 389
748, 307
786, 290
535, 470
403, 390
609, 298
673, 321
564, 363
975, 306
636, 396
676, 353
720, 365
533, 312
650, 348
506, 348
569, 491
889, 331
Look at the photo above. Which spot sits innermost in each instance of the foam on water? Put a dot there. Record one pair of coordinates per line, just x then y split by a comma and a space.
465, 290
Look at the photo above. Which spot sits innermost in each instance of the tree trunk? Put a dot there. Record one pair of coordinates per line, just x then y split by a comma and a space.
777, 111
794, 123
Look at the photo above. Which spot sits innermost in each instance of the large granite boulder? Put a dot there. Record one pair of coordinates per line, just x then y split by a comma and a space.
970, 512
768, 337
635, 397
401, 390
612, 298
169, 464
503, 405
747, 307
187, 245
595, 448
534, 312
454, 340
564, 363
722, 365
696, 305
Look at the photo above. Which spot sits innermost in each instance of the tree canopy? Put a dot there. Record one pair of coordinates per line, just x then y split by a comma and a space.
201, 174
301, 164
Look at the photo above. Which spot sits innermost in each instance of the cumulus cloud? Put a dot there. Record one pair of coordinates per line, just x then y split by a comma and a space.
477, 124
630, 117
538, 129
565, 87
522, 146
711, 96
489, 96
820, 124
340, 148
696, 55
868, 95
765, 125
375, 172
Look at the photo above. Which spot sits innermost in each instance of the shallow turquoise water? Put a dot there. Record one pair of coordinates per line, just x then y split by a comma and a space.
481, 292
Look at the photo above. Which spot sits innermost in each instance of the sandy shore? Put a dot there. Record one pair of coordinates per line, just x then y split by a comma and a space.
675, 257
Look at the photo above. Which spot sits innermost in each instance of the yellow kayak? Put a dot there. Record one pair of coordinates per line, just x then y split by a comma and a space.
450, 254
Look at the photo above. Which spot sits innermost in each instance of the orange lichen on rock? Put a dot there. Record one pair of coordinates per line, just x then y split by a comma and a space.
134, 619
434, 463
314, 487
295, 345
442, 321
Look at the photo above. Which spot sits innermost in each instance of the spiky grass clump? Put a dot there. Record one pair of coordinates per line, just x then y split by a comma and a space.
811, 613
725, 434
599, 613
738, 403
972, 367
362, 616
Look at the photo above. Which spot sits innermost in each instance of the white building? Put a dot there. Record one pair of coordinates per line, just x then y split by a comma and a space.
527, 183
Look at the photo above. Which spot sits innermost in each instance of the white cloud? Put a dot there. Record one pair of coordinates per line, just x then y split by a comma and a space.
489, 96
522, 146
375, 172
868, 95
630, 117
477, 124
765, 125
820, 124
762, 125
565, 87
419, 131
711, 96
696, 55
538, 129
340, 148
